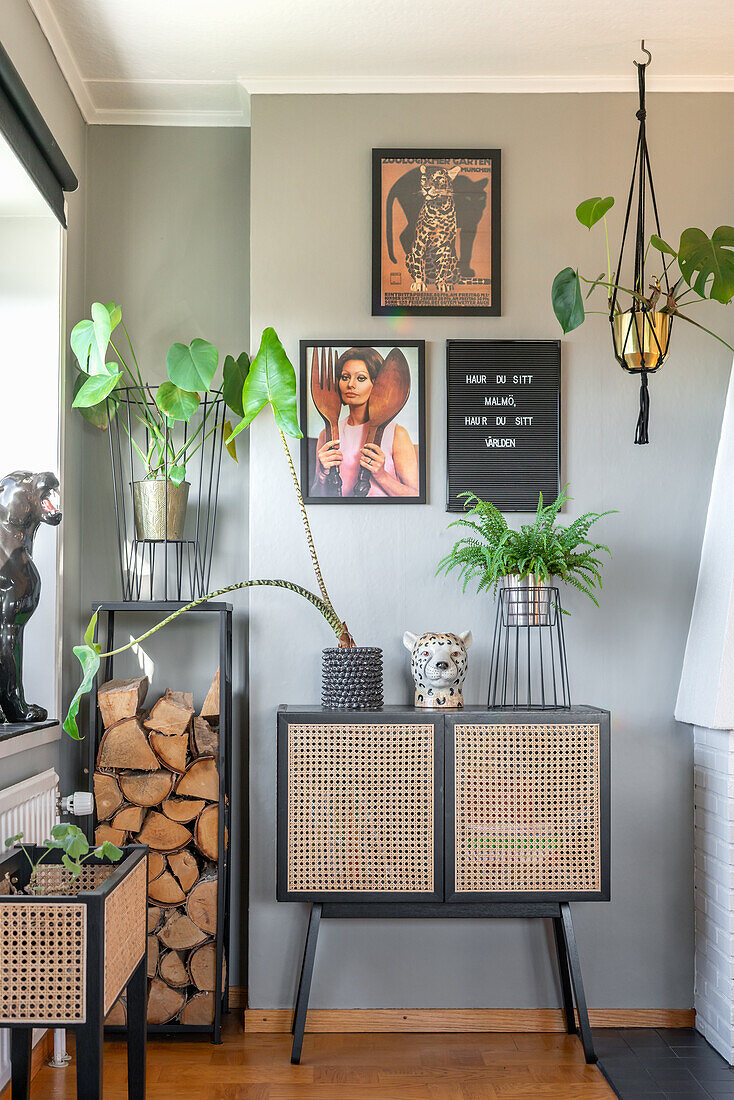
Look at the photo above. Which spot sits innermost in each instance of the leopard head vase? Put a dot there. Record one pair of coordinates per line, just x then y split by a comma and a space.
438, 663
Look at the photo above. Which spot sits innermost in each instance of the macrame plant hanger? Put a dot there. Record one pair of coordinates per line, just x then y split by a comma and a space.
641, 334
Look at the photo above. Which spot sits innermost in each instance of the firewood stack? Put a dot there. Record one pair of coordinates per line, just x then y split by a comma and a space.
157, 783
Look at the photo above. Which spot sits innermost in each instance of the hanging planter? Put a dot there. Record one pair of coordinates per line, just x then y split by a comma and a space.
641, 335
642, 304
641, 339
641, 344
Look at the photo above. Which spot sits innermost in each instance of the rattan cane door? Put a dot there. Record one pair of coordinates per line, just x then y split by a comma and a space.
527, 805
360, 806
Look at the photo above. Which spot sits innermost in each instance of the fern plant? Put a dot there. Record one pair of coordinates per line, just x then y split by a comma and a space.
543, 548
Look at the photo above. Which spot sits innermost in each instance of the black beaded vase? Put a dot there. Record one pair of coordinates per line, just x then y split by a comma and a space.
351, 679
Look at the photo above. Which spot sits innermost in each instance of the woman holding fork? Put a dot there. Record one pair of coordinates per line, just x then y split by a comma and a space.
392, 465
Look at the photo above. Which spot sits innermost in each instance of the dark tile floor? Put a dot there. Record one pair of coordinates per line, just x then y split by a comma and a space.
663, 1064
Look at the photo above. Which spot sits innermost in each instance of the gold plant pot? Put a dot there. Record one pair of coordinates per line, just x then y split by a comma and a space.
154, 521
641, 339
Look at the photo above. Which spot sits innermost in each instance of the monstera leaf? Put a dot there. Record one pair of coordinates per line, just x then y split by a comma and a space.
568, 302
90, 338
234, 373
702, 258
193, 367
661, 245
95, 389
271, 381
229, 442
177, 403
98, 415
590, 211
89, 658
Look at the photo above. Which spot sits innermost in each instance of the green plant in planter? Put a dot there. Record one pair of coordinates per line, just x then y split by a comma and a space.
191, 370
700, 269
542, 549
269, 382
76, 851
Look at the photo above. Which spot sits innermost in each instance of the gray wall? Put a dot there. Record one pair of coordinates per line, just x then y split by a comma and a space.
310, 270
168, 239
30, 53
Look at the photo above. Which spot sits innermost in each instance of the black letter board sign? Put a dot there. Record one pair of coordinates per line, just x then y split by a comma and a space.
504, 435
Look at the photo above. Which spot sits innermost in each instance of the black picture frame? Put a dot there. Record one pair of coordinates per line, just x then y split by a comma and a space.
306, 404
492, 158
514, 476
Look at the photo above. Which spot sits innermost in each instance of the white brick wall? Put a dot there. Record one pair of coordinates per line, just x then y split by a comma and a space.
714, 886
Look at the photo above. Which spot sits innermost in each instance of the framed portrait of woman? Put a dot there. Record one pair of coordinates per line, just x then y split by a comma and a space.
363, 422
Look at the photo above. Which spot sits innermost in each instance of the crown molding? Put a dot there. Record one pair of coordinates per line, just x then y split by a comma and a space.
389, 85
333, 85
152, 117
65, 59
100, 116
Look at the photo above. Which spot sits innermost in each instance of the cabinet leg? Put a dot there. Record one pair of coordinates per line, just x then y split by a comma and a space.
89, 1058
21, 1039
137, 1031
562, 956
304, 985
574, 966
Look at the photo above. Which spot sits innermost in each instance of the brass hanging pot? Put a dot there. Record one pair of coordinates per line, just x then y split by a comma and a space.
641, 339
641, 334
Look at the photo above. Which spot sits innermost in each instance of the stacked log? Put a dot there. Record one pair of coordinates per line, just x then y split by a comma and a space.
157, 783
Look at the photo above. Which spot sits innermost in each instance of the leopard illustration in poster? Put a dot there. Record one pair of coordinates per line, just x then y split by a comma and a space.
432, 259
436, 232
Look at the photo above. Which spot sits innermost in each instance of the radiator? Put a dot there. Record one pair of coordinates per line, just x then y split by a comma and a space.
30, 808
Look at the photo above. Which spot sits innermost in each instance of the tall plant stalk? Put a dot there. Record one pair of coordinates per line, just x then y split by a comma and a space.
90, 655
346, 641
325, 609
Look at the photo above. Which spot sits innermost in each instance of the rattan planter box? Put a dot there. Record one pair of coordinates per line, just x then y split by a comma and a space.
66, 955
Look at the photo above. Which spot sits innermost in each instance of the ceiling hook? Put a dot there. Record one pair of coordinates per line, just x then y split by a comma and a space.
643, 64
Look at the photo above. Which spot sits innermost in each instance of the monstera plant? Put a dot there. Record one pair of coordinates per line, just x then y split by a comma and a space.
191, 368
701, 268
269, 382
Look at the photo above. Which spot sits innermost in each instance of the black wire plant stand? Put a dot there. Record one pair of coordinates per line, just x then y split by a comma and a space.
528, 667
166, 568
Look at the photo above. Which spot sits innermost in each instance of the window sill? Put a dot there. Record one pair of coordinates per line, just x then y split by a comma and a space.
21, 736
17, 729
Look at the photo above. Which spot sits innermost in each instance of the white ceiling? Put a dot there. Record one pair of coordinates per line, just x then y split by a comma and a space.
197, 61
19, 196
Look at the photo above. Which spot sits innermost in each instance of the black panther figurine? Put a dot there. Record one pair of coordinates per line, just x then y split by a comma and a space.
26, 500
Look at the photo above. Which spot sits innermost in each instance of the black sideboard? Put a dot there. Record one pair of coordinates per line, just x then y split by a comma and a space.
469, 813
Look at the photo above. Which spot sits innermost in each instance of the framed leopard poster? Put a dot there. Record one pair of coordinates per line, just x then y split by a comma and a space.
436, 231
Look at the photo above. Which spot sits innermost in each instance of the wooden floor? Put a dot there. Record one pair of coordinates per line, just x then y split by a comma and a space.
351, 1067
